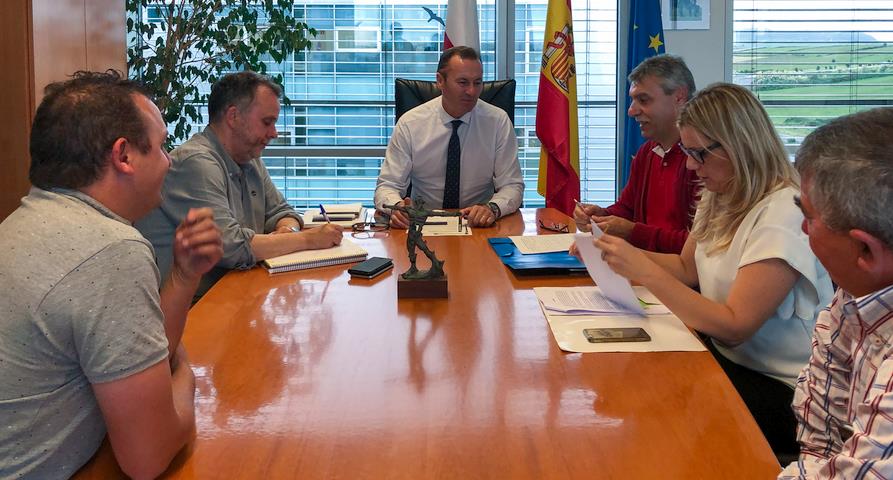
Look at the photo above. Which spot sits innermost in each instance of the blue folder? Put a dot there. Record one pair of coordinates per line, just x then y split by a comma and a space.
554, 263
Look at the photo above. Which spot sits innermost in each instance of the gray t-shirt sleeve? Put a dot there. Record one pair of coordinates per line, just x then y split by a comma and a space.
112, 302
274, 202
199, 181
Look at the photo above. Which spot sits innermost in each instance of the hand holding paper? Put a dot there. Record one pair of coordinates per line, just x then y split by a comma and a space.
612, 285
625, 259
617, 226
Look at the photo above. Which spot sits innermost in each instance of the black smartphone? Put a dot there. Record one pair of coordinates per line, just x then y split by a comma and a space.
606, 335
371, 267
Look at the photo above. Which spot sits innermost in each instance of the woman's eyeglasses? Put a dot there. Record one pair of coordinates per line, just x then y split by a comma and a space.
554, 227
368, 229
697, 154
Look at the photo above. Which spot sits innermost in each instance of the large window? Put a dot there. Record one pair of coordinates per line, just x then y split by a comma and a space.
333, 136
810, 61
343, 92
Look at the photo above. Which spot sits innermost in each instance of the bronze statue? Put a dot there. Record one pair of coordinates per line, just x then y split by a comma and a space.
418, 216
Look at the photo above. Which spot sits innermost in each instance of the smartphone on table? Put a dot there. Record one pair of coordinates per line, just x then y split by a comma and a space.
607, 335
371, 267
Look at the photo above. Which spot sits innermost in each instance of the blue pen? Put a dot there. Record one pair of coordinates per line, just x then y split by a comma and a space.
324, 214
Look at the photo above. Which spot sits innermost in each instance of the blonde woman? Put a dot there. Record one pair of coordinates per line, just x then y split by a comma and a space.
760, 285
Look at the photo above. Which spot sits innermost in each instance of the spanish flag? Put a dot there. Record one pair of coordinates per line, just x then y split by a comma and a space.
556, 112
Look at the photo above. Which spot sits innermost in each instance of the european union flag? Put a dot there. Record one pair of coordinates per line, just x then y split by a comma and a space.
646, 39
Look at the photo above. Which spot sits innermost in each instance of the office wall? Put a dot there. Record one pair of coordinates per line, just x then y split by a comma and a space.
705, 50
43, 41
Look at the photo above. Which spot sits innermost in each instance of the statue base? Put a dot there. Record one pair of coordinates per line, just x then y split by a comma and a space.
422, 288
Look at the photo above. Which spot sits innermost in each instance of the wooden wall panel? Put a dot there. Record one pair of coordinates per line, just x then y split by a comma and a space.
43, 41
106, 35
16, 101
60, 46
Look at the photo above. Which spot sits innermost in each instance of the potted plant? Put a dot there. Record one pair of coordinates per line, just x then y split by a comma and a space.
176, 46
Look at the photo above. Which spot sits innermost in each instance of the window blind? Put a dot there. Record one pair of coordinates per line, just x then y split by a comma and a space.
810, 61
333, 134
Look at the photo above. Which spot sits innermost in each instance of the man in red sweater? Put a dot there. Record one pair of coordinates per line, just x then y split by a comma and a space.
654, 211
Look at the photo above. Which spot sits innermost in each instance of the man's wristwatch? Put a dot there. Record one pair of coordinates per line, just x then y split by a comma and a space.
299, 226
494, 208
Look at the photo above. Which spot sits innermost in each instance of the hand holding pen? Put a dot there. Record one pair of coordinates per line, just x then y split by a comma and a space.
582, 216
325, 215
583, 211
325, 236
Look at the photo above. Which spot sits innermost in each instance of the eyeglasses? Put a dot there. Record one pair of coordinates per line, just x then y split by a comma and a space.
697, 154
368, 229
554, 227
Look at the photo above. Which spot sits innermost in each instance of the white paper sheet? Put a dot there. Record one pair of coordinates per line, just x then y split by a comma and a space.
591, 301
356, 211
454, 227
668, 333
528, 244
354, 208
613, 285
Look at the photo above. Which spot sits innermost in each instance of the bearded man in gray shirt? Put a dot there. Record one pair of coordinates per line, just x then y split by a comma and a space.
88, 344
220, 168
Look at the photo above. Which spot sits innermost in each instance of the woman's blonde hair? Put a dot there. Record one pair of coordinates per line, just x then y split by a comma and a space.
731, 115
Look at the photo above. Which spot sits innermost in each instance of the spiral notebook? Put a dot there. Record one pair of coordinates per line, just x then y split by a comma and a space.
345, 253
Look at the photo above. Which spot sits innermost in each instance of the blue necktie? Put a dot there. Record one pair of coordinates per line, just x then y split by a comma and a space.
451, 183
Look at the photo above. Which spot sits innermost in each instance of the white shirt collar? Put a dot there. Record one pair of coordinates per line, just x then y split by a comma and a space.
446, 118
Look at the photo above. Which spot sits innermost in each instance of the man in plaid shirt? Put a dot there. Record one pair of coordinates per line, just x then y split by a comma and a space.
844, 396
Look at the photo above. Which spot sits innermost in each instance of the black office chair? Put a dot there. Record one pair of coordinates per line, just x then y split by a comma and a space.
409, 94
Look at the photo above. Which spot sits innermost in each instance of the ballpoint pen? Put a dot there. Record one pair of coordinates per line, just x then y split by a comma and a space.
322, 211
580, 205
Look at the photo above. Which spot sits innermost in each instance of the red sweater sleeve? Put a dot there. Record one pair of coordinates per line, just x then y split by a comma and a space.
656, 239
667, 235
625, 207
670, 240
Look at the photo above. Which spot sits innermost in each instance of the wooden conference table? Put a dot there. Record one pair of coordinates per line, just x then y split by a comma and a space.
313, 374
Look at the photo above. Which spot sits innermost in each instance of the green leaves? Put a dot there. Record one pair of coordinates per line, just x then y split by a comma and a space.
173, 47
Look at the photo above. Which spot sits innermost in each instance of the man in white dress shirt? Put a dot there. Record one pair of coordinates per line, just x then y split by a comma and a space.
484, 180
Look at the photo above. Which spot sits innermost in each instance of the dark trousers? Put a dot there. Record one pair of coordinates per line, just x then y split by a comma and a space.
768, 400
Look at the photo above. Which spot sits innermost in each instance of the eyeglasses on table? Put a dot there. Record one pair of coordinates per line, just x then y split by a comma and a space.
554, 226
368, 229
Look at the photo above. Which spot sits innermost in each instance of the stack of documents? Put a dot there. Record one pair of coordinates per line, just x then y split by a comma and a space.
570, 310
591, 301
614, 303
445, 227
613, 285
532, 244
344, 215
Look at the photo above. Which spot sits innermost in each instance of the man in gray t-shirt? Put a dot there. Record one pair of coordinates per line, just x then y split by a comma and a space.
88, 343
220, 168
